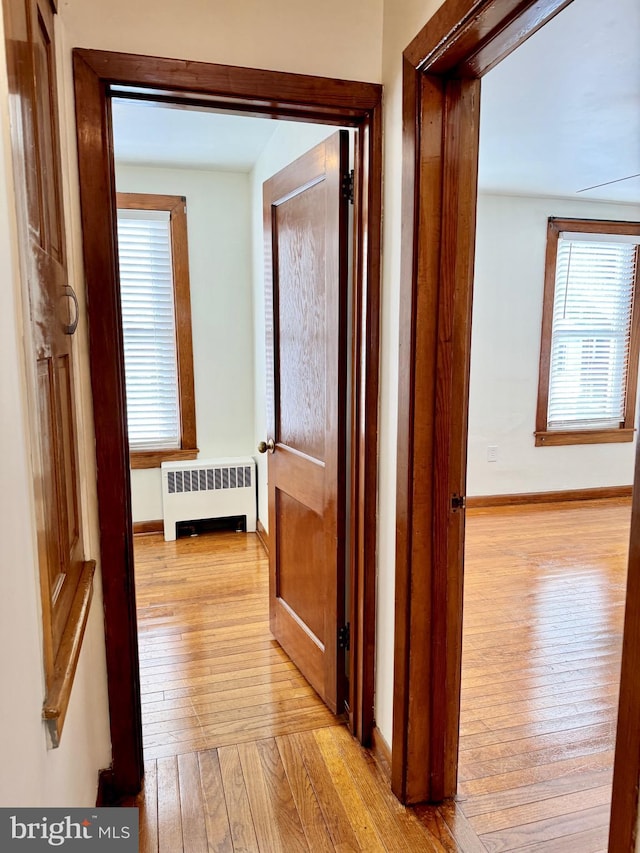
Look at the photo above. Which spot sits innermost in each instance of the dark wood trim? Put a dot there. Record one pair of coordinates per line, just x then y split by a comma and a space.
521, 498
623, 827
469, 37
105, 796
249, 89
252, 91
381, 751
154, 458
364, 422
561, 438
263, 536
625, 432
441, 72
143, 528
177, 209
95, 160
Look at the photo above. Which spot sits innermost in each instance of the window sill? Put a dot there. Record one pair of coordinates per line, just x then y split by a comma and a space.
56, 702
154, 458
554, 438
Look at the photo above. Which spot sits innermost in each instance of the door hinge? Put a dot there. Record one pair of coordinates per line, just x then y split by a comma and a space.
458, 502
344, 637
348, 186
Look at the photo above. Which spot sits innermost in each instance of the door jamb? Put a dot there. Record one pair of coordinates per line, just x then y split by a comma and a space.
251, 92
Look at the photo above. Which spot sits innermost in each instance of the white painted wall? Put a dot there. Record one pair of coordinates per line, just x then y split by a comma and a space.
290, 140
31, 773
219, 234
505, 352
336, 38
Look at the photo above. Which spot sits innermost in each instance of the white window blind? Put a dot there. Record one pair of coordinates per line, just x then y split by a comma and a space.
591, 333
148, 319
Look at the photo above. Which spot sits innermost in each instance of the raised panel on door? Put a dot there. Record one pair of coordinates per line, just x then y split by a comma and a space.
47, 152
305, 219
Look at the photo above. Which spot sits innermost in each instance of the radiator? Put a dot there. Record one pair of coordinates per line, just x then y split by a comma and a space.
208, 488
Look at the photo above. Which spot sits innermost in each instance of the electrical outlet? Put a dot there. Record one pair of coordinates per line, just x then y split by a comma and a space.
492, 453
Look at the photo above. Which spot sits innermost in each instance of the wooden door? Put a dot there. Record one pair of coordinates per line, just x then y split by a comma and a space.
306, 287
52, 307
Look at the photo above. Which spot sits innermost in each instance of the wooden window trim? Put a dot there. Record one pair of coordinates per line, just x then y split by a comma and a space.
176, 206
624, 433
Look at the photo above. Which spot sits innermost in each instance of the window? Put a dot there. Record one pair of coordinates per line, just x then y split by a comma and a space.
156, 322
590, 333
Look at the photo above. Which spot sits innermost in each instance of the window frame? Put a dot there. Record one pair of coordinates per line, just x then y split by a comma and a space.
177, 209
545, 437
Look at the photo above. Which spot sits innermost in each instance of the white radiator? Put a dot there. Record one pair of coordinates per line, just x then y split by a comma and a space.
208, 488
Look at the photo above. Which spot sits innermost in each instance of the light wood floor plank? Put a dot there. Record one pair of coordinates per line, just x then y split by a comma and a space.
243, 833
194, 831
315, 829
148, 810
215, 808
169, 810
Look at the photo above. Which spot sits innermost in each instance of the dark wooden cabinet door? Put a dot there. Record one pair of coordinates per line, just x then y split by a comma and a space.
306, 272
31, 65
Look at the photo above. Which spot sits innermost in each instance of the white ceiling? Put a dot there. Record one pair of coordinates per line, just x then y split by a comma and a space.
151, 134
561, 114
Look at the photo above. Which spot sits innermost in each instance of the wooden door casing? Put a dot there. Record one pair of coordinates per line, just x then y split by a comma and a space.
306, 285
277, 95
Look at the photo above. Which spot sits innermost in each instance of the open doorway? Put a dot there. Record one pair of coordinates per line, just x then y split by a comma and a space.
99, 77
551, 412
191, 236
443, 68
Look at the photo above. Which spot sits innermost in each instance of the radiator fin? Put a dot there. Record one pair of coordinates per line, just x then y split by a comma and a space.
209, 479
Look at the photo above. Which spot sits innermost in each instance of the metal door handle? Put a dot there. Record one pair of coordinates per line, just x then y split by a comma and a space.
268, 445
71, 327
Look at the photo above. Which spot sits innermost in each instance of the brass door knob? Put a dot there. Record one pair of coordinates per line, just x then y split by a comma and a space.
268, 445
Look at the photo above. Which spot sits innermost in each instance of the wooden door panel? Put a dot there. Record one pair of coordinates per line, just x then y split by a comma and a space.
301, 575
49, 546
306, 238
47, 152
299, 277
67, 441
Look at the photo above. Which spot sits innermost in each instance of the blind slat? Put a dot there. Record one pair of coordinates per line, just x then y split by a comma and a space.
148, 319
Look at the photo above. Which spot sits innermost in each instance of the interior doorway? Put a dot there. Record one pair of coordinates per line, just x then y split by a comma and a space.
190, 187
443, 67
247, 91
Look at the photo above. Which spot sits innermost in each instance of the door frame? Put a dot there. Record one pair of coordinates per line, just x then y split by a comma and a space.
442, 68
251, 92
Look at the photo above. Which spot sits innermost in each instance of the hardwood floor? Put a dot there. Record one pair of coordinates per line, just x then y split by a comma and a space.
240, 754
544, 605
211, 674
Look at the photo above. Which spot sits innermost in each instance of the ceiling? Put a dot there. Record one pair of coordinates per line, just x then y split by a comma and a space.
562, 112
150, 134
560, 115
